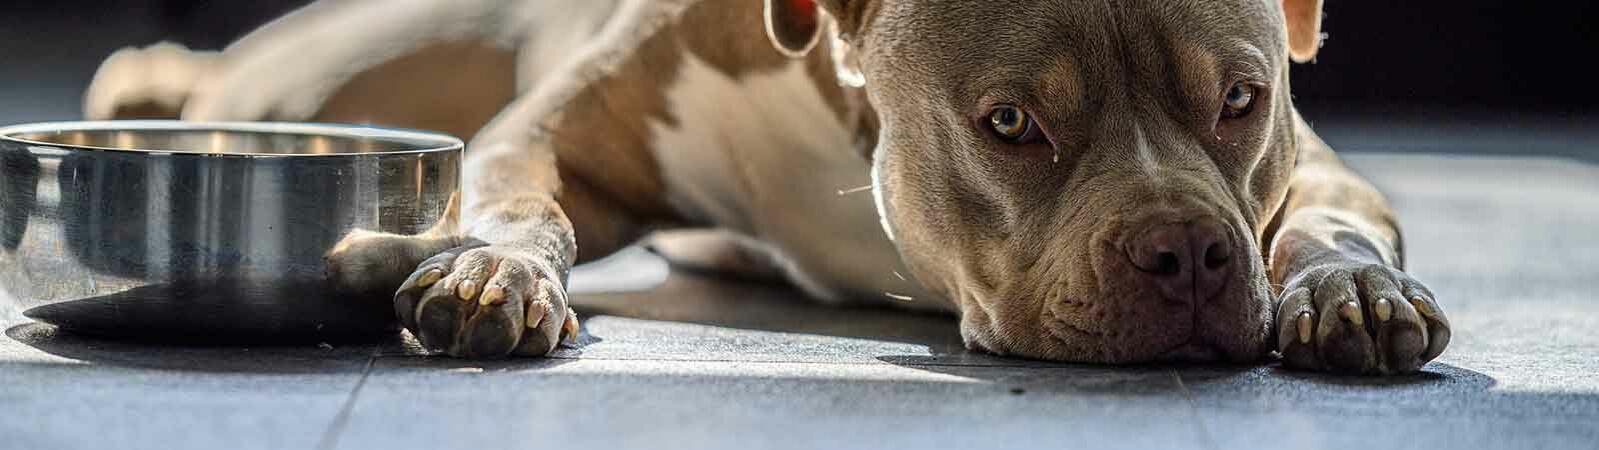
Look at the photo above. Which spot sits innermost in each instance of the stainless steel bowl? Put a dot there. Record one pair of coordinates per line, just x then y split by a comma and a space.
164, 229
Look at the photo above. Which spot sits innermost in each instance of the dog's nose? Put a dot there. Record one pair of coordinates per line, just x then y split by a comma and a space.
1187, 261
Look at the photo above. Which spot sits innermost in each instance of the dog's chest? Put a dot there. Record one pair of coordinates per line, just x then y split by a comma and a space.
764, 155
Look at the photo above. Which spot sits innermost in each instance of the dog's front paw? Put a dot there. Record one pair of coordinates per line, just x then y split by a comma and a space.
486, 302
1359, 318
368, 263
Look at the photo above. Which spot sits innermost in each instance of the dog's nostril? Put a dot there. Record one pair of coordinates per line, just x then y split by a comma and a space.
1167, 263
1217, 255
1185, 262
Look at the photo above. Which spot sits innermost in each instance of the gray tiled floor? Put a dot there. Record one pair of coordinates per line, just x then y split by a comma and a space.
1510, 244
66, 392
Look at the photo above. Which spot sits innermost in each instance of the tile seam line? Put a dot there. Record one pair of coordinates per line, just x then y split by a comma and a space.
758, 361
1205, 439
330, 436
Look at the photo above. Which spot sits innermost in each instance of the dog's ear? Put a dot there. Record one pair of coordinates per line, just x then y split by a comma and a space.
1303, 19
796, 25
793, 25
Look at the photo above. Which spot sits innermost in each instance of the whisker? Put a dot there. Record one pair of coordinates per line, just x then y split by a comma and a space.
903, 298
844, 192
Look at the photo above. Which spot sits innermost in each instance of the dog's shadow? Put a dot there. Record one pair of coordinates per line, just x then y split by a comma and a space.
741, 319
878, 334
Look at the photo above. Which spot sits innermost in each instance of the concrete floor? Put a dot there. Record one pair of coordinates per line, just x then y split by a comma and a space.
1511, 245
1509, 240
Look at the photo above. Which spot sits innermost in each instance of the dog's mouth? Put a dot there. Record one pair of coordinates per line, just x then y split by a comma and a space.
1112, 345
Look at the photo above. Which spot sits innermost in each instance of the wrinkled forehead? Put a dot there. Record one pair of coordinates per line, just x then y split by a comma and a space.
1008, 38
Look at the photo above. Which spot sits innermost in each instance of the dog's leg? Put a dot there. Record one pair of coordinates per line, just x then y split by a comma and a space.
147, 83
503, 289
285, 70
446, 66
563, 173
1346, 305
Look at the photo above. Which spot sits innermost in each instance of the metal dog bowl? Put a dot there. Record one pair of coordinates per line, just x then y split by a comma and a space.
204, 231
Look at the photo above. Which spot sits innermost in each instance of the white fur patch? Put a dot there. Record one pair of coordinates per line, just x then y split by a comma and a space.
716, 117
765, 156
1145, 154
556, 31
881, 203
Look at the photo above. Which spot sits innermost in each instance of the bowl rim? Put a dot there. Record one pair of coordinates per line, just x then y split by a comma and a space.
421, 141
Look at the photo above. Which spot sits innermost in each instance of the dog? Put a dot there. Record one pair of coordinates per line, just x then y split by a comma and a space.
1097, 181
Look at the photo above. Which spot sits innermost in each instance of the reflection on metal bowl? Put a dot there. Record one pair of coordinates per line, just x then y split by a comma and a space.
209, 230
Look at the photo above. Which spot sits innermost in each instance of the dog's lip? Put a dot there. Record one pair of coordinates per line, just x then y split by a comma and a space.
1055, 331
1193, 349
1057, 327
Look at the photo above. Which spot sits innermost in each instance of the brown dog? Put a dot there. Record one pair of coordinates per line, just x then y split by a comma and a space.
1081, 180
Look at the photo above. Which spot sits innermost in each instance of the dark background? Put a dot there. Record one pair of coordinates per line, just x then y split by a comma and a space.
1419, 68
1468, 54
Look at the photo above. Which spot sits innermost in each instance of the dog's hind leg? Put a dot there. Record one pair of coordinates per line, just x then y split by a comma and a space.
446, 66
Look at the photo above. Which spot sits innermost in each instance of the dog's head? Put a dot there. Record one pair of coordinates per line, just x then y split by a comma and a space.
1087, 180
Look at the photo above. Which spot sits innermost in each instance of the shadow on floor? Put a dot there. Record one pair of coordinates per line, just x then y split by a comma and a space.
1201, 376
767, 310
711, 300
230, 358
744, 305
235, 358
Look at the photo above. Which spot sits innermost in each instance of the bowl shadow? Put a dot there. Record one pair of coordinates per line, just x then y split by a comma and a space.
194, 357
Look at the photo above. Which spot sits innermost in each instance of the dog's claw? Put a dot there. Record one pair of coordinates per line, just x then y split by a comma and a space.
1383, 309
1304, 327
1422, 307
569, 329
467, 290
428, 278
1351, 311
493, 296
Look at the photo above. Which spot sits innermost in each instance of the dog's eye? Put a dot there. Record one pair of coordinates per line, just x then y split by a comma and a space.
1239, 100
1012, 125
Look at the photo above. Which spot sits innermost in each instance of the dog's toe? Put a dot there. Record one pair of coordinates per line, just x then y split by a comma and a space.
1341, 336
